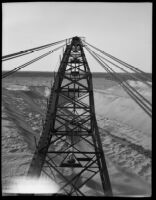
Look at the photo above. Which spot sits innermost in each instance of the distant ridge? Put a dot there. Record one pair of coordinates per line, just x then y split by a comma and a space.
124, 76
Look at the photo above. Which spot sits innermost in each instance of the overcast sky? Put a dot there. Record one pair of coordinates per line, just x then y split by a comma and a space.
121, 29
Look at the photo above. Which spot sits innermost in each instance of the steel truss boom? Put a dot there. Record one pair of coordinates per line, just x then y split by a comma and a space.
70, 149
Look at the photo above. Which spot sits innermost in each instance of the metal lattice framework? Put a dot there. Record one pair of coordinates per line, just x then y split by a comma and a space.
69, 150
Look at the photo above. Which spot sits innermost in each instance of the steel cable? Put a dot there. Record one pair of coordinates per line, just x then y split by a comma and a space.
146, 109
137, 100
138, 71
130, 74
28, 51
143, 106
126, 82
4, 75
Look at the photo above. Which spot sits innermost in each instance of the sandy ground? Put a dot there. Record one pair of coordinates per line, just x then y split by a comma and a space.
126, 138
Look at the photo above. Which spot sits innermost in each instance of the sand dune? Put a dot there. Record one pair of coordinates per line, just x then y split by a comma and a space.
117, 115
115, 104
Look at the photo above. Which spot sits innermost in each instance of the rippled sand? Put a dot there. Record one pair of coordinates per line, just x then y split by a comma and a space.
126, 138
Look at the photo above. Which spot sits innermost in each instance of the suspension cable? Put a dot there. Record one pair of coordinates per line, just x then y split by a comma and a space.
130, 93
28, 51
132, 89
140, 72
142, 104
130, 74
4, 75
126, 82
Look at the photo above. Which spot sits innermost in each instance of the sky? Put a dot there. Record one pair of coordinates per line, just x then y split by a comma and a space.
122, 29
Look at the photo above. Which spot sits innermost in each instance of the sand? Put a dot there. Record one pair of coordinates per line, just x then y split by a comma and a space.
125, 132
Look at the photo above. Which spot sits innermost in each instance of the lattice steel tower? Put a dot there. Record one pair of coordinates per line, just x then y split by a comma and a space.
69, 149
